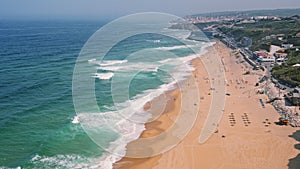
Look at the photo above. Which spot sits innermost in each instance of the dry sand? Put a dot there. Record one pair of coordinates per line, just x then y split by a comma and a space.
245, 138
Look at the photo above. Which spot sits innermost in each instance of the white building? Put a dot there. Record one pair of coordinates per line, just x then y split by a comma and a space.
287, 46
263, 56
268, 58
281, 57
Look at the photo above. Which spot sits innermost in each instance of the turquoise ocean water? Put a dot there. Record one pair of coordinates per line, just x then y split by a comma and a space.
38, 124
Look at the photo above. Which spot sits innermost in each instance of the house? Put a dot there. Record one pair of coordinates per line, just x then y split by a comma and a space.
294, 96
246, 42
281, 56
261, 17
297, 35
280, 36
264, 56
273, 36
296, 65
287, 46
268, 37
259, 51
280, 60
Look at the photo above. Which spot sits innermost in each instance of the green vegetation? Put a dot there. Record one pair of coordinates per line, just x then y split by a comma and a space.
286, 72
265, 33
259, 30
204, 25
272, 12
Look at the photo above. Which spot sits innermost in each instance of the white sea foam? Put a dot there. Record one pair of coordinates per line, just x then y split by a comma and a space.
149, 67
130, 67
75, 120
18, 167
165, 61
103, 76
112, 62
67, 161
188, 58
92, 60
106, 62
110, 68
175, 47
154, 41
130, 119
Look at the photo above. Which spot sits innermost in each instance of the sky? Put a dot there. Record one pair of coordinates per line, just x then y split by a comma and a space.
110, 9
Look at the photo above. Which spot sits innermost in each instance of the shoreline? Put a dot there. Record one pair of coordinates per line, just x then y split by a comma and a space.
246, 136
168, 117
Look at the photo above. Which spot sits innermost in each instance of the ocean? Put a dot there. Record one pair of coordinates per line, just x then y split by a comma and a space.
39, 127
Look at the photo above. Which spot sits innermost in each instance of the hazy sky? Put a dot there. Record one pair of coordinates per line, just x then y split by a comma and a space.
101, 9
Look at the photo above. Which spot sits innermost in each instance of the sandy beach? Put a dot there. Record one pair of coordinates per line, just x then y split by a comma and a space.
244, 134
